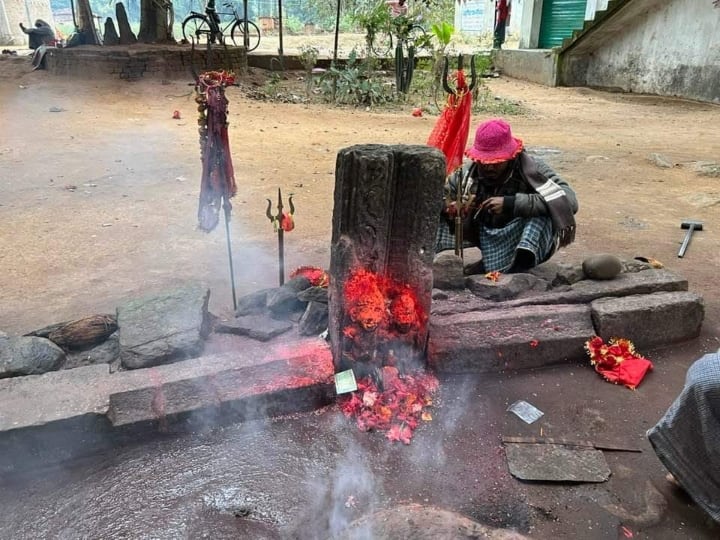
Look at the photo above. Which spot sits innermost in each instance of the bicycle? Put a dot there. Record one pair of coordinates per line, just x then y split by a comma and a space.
404, 32
210, 28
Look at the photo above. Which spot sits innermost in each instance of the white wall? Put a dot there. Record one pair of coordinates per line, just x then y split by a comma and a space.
665, 47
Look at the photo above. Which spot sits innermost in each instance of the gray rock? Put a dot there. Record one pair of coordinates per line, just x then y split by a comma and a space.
634, 265
651, 319
283, 300
558, 274
498, 339
260, 327
448, 271
315, 319
163, 328
707, 168
28, 355
105, 353
254, 302
314, 294
439, 294
507, 287
660, 160
602, 266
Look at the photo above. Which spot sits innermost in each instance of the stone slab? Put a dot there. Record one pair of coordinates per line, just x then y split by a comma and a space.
289, 379
72, 395
37, 400
583, 292
650, 319
494, 340
556, 463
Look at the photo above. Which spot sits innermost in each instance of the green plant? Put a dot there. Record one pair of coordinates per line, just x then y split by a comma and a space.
308, 57
353, 84
373, 18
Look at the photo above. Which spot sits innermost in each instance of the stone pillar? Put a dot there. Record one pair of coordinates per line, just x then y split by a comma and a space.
385, 219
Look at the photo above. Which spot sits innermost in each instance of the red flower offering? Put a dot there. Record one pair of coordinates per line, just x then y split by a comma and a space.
398, 409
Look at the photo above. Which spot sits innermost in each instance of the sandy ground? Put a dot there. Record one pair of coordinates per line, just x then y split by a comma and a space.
98, 200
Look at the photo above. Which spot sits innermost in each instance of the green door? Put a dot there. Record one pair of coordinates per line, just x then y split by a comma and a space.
559, 19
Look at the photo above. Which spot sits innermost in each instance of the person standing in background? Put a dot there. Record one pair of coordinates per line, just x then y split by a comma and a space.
502, 19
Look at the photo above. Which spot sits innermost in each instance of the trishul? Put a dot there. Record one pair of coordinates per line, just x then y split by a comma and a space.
281, 222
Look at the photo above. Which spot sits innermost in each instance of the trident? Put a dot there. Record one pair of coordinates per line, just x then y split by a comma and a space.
281, 222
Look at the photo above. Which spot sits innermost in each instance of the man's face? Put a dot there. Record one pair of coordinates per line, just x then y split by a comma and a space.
493, 171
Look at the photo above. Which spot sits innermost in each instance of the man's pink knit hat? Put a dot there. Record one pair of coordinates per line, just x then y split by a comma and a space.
494, 143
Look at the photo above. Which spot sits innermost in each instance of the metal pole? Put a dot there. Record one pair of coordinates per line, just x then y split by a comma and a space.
246, 38
226, 208
337, 32
280, 48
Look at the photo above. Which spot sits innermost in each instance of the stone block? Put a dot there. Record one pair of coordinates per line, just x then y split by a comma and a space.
585, 291
495, 340
650, 319
448, 271
163, 328
296, 378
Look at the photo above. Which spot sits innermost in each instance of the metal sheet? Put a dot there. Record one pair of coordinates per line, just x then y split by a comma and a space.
559, 19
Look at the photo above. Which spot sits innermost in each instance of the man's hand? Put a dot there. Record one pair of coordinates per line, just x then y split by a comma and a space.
493, 205
22, 27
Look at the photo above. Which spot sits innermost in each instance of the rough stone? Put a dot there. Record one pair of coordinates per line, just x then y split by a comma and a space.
278, 385
163, 328
650, 319
660, 160
283, 300
105, 353
315, 319
65, 395
508, 286
602, 266
252, 303
28, 355
314, 294
259, 327
448, 271
523, 337
635, 265
587, 290
558, 274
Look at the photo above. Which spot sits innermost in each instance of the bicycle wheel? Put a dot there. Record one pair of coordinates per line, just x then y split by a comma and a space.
418, 37
253, 37
383, 45
196, 28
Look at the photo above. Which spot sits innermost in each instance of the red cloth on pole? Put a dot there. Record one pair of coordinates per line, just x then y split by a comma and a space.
452, 127
217, 184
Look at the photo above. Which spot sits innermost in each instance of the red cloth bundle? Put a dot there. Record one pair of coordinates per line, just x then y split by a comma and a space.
617, 361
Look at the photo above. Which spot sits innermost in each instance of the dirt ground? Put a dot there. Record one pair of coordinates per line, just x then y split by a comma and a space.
98, 200
99, 189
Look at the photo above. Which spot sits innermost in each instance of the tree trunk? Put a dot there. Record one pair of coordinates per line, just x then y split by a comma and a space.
155, 21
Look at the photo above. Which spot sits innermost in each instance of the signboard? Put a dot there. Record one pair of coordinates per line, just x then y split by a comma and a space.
470, 16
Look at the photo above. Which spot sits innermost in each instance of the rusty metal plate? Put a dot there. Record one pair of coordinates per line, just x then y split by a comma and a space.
556, 463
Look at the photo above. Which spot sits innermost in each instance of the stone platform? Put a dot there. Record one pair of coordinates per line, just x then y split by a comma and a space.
522, 321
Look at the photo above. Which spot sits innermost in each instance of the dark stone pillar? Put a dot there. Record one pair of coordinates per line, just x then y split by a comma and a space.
385, 219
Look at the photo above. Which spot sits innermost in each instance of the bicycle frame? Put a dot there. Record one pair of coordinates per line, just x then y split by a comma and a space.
218, 28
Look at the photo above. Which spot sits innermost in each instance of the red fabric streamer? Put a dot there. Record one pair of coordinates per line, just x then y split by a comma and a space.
217, 184
617, 361
451, 130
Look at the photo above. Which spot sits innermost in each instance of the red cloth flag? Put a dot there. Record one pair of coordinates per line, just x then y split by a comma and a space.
451, 130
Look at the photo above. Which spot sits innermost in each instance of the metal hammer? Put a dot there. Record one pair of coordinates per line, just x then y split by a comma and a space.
690, 225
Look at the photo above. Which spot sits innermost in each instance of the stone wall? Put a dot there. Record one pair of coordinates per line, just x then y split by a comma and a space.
141, 61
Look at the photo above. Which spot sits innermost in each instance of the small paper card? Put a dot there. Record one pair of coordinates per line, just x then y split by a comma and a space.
345, 382
525, 411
